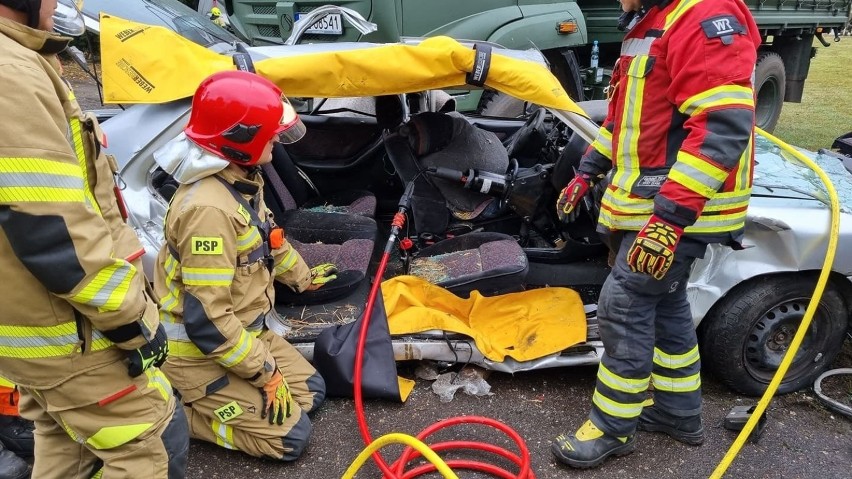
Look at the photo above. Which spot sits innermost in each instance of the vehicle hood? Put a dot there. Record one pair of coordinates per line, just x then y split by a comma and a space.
132, 74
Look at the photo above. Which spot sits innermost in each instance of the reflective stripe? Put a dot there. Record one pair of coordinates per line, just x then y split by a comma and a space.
676, 361
110, 437
157, 380
224, 435
248, 240
615, 408
697, 174
40, 180
619, 383
207, 276
80, 152
724, 95
603, 142
6, 383
108, 288
678, 12
184, 349
33, 342
172, 299
636, 46
238, 352
287, 262
677, 385
744, 178
627, 162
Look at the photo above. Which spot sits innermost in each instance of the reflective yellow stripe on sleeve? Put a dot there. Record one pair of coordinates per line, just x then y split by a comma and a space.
40, 180
603, 142
725, 95
108, 288
33, 342
80, 152
287, 262
697, 175
207, 276
238, 352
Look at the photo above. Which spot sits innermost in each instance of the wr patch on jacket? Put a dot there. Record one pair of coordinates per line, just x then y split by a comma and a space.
206, 245
722, 26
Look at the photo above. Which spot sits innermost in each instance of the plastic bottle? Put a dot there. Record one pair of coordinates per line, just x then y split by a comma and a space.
594, 62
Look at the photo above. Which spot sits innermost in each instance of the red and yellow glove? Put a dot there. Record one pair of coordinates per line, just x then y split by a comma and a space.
570, 196
653, 250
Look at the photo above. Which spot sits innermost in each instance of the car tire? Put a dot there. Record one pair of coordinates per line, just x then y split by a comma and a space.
770, 79
745, 336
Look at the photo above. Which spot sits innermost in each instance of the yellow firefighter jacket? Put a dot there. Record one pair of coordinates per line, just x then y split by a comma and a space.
215, 282
64, 249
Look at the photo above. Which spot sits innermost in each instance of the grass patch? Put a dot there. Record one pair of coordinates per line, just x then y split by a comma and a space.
826, 108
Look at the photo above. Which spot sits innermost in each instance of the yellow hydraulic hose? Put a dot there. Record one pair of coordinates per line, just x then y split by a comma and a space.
809, 313
399, 438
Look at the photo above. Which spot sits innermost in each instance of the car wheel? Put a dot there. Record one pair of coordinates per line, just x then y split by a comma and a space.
770, 79
744, 338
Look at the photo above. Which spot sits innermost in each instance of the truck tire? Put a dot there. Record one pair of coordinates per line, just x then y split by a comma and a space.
745, 336
565, 67
770, 79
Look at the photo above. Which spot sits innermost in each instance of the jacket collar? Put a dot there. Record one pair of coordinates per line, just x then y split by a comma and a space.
46, 43
245, 180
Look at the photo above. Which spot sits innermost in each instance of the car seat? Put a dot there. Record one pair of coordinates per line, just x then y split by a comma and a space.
492, 263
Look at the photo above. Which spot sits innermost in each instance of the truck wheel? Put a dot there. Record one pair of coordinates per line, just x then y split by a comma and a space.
769, 82
564, 66
744, 338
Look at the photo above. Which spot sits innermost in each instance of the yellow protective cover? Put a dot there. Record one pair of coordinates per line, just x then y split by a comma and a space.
150, 64
526, 325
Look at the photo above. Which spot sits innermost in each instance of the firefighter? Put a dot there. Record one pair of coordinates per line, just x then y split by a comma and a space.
80, 334
676, 149
216, 17
243, 387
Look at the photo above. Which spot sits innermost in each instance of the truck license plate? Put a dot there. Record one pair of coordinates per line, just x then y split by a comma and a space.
330, 24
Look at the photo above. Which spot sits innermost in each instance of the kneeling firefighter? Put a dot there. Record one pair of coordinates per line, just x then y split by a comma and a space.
678, 140
242, 386
80, 334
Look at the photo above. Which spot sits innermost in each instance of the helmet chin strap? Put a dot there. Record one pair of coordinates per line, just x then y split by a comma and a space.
30, 7
627, 17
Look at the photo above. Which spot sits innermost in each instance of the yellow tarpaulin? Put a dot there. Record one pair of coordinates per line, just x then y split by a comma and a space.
525, 326
150, 64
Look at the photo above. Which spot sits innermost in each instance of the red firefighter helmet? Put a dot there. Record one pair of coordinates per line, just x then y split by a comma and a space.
236, 113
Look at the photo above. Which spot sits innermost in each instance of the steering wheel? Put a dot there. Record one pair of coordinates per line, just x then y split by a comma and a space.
522, 137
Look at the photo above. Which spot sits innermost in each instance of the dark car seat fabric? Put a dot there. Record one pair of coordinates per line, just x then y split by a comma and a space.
448, 140
292, 191
343, 239
492, 263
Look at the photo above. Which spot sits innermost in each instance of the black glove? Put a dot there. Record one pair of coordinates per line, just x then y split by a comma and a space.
152, 353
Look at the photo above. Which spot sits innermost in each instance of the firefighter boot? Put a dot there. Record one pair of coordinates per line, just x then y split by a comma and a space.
12, 466
17, 434
589, 446
687, 430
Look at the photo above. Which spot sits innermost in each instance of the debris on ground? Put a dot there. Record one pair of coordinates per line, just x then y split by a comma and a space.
471, 380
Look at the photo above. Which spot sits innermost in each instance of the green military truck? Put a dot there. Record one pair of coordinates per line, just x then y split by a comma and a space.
562, 30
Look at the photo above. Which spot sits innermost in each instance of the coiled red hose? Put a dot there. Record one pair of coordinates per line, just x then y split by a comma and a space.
397, 469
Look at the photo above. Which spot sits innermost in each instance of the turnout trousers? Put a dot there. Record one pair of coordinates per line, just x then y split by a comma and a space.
648, 335
231, 416
105, 424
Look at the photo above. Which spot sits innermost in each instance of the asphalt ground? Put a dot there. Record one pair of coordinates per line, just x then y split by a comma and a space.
802, 439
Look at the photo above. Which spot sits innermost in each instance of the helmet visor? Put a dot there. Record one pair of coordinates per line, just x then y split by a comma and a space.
67, 19
290, 128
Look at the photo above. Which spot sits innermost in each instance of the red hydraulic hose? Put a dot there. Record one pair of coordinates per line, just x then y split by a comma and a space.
397, 470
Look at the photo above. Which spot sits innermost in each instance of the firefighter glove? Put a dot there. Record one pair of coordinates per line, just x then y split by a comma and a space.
277, 401
569, 199
323, 273
152, 353
653, 250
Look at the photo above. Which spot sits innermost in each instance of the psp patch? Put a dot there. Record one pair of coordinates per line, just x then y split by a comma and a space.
723, 26
229, 411
206, 245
